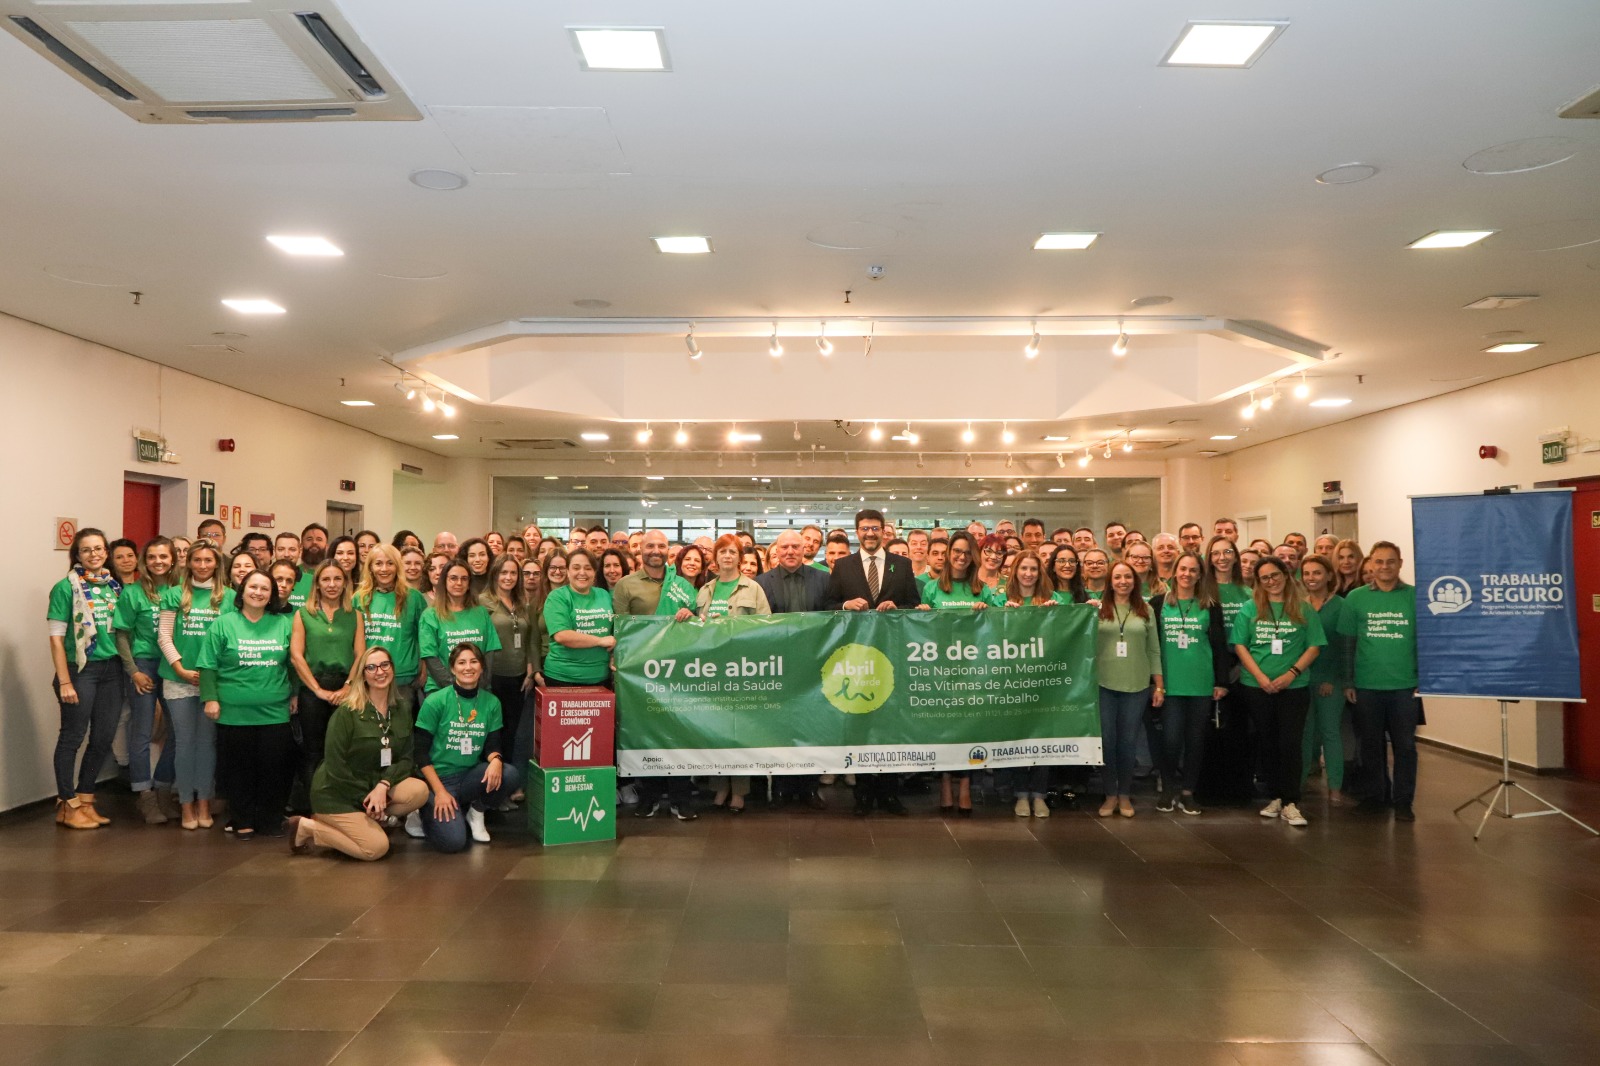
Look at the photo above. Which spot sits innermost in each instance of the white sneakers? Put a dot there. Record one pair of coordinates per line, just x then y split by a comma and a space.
414, 825
1287, 811
475, 826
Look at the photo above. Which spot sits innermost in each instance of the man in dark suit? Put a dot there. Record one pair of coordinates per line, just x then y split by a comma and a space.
873, 580
792, 586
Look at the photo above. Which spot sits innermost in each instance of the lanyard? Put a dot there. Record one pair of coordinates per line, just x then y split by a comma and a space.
1122, 620
385, 725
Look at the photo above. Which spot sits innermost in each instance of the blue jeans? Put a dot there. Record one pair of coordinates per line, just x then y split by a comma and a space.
469, 790
141, 723
194, 740
1388, 714
1121, 718
99, 688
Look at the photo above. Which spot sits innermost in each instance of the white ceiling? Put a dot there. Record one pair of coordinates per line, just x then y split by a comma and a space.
947, 138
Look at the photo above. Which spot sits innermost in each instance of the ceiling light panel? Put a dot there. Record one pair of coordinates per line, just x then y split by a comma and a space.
320, 246
1498, 303
253, 307
1064, 242
1331, 401
358, 403
1512, 347
1222, 44
620, 48
1451, 238
683, 245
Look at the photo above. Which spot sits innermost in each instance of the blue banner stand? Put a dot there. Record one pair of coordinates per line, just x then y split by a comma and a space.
1496, 799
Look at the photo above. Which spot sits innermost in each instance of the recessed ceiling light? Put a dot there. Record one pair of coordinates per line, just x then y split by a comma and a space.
654, 477
305, 245
1064, 242
358, 403
253, 307
620, 48
1222, 44
592, 436
1451, 238
445, 436
1056, 439
1331, 401
1225, 436
1512, 347
438, 180
551, 477
683, 245
1055, 490
580, 488
1496, 303
1346, 174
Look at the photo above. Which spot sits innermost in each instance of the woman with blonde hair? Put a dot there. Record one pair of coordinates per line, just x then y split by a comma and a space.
366, 768
1347, 560
327, 640
391, 616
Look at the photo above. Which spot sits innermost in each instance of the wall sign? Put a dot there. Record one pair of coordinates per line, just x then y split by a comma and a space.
149, 450
1553, 451
259, 520
66, 530
238, 518
208, 497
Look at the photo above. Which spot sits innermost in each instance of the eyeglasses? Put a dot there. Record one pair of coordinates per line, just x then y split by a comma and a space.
378, 668
869, 529
1223, 551
1270, 575
994, 551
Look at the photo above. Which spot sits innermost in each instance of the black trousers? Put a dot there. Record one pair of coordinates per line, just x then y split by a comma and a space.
314, 716
513, 702
254, 763
876, 789
1280, 728
1226, 767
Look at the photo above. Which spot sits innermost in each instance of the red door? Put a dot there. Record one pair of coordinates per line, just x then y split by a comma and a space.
1582, 721
141, 511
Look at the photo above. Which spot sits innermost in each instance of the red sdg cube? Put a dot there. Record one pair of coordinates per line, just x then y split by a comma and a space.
577, 727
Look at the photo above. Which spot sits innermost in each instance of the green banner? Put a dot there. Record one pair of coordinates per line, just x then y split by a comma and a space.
857, 691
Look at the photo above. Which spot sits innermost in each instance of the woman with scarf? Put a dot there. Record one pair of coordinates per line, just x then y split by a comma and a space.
89, 677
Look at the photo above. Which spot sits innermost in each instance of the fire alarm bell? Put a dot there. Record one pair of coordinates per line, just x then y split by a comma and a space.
1488, 451
225, 445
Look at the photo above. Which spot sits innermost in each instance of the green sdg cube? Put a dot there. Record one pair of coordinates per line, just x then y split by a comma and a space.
572, 805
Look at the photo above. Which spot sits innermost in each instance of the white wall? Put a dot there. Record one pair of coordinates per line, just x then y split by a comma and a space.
1429, 447
67, 435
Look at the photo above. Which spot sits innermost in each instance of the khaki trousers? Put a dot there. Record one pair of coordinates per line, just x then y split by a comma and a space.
356, 834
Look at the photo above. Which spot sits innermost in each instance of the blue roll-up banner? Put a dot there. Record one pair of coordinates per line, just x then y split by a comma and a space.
1495, 611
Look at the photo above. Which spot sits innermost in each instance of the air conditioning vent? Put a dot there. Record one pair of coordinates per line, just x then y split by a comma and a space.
213, 60
534, 444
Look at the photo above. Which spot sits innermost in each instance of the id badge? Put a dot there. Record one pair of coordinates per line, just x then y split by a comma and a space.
465, 746
1122, 649
1183, 642
1277, 646
385, 758
516, 640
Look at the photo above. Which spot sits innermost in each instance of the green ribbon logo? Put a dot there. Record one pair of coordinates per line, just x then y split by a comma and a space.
857, 679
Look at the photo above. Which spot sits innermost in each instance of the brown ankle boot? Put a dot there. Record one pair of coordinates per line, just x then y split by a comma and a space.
86, 802
75, 815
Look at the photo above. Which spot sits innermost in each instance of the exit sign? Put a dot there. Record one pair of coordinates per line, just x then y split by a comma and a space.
149, 450
1554, 451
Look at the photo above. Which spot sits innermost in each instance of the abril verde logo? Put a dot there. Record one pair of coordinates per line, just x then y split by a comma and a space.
857, 679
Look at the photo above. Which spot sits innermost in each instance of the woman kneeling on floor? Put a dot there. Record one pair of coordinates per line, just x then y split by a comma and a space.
365, 774
458, 743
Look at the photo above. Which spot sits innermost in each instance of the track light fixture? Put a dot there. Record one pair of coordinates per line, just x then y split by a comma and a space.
447, 408
752, 460
874, 433
797, 461
1006, 436
920, 464
690, 343
1269, 399
1302, 391
643, 435
1008, 462
824, 345
682, 436
1031, 349
1108, 449
647, 459
1119, 348
968, 463
775, 347
1060, 461
910, 436
967, 436
611, 460
797, 431
1249, 410
1083, 460
1127, 443
427, 402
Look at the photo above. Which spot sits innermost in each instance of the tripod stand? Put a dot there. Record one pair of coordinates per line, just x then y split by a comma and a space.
1506, 785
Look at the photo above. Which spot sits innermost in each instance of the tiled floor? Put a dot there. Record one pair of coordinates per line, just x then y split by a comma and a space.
818, 938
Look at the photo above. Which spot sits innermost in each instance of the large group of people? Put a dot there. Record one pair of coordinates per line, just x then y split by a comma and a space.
334, 688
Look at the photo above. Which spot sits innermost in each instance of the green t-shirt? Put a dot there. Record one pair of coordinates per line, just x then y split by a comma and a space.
818, 566
398, 635
136, 615
1093, 595
301, 591
251, 661
190, 627
1232, 597
437, 638
102, 604
459, 727
591, 614
720, 592
1384, 628
1257, 636
1186, 666
960, 596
